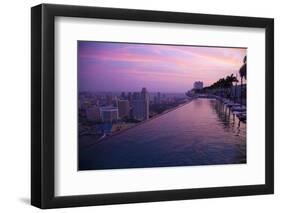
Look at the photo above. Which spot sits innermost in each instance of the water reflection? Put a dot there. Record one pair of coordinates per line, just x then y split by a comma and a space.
228, 119
203, 132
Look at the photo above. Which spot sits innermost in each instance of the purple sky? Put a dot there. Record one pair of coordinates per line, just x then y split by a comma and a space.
105, 66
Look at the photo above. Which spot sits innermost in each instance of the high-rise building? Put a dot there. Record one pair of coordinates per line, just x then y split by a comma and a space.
158, 97
155, 99
130, 97
136, 96
123, 108
109, 99
140, 105
109, 114
123, 95
145, 98
93, 113
198, 85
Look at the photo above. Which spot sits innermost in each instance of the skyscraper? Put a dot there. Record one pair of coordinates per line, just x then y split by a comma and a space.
136, 96
93, 113
158, 97
109, 114
123, 95
123, 108
145, 98
130, 97
140, 105
109, 99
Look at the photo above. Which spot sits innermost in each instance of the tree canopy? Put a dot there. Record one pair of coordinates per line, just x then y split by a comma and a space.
226, 82
243, 69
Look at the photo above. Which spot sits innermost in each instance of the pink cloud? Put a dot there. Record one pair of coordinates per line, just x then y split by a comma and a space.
161, 64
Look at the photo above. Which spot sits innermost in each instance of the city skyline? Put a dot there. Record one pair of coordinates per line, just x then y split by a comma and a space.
130, 91
125, 67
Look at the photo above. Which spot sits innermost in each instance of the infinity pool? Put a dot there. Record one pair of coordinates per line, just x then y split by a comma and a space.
202, 132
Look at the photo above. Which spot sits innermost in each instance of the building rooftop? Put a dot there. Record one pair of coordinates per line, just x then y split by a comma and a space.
108, 108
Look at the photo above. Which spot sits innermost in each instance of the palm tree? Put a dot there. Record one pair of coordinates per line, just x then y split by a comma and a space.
230, 80
243, 70
243, 73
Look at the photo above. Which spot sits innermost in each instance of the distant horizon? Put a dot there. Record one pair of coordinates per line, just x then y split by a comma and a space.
116, 66
132, 91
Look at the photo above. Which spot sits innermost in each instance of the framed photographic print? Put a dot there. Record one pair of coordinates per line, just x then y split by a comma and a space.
140, 106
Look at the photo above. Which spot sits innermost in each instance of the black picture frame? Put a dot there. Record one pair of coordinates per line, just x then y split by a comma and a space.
43, 102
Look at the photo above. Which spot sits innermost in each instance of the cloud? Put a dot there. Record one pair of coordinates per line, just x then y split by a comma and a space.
159, 64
